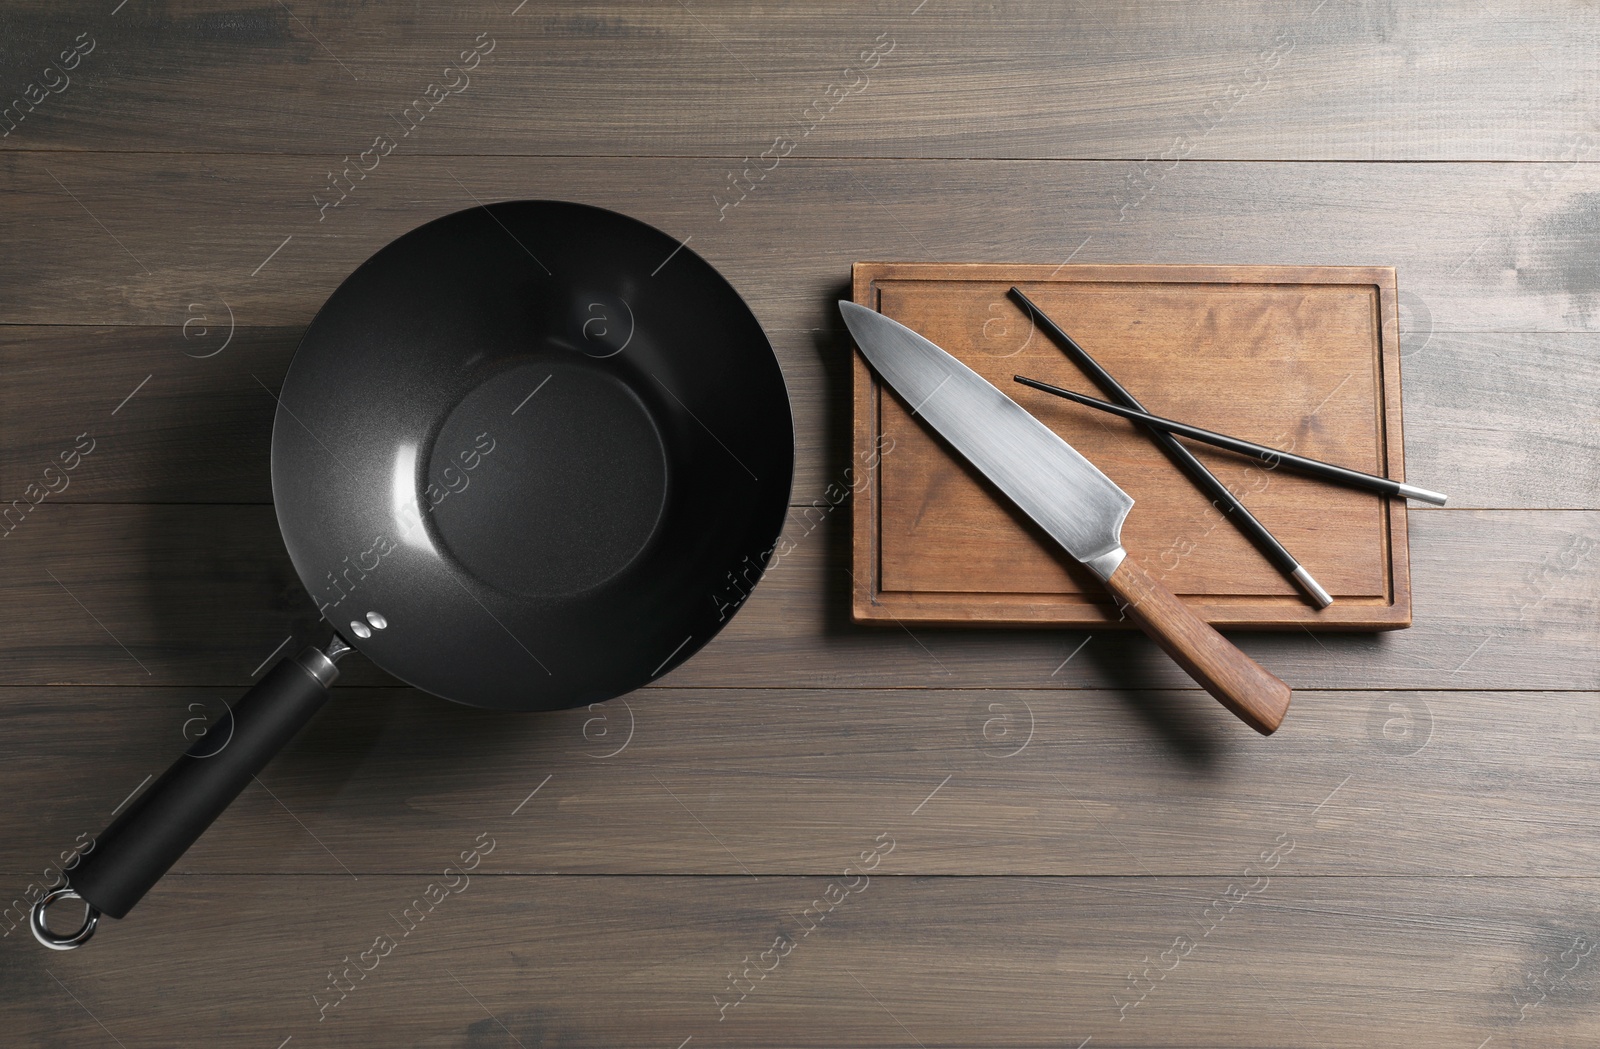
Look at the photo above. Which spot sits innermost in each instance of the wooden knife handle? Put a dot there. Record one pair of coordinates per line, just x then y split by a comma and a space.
1254, 695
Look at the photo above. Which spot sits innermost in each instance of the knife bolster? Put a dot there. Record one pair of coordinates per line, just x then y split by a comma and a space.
1105, 565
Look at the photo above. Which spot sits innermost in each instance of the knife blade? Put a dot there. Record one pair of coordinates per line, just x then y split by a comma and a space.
1071, 499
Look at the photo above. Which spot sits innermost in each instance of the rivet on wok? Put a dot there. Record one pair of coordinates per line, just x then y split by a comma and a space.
359, 629
377, 621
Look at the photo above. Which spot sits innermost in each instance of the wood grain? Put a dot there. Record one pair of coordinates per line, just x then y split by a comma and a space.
1303, 357
1436, 782
1090, 782
1244, 79
903, 961
198, 429
1475, 248
1540, 453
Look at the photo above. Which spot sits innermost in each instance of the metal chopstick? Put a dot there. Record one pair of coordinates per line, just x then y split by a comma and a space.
1271, 456
1224, 500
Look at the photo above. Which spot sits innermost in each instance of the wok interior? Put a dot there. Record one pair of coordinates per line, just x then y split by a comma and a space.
568, 451
550, 474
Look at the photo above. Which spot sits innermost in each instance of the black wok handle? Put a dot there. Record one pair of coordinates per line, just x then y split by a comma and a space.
145, 841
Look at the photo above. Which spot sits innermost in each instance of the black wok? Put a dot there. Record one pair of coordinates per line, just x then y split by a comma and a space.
516, 457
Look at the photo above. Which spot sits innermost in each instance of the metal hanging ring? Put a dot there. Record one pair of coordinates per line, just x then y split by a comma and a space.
53, 940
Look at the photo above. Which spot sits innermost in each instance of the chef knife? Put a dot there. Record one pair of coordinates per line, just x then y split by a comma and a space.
1077, 505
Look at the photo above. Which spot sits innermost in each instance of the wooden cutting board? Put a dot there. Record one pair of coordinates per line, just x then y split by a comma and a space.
1306, 359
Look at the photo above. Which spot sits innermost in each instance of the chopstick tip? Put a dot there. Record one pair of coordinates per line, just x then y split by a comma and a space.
1313, 589
1408, 491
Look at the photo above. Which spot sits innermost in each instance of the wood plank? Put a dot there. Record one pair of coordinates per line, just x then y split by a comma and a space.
1241, 80
199, 595
1501, 421
777, 782
1543, 451
1474, 246
901, 961
168, 414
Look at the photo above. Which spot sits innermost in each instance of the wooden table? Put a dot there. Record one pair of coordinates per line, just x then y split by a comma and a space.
1084, 848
